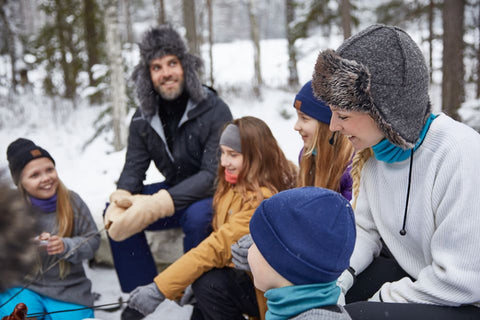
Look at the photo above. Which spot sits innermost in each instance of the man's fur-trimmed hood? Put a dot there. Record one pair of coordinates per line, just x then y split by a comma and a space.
156, 43
381, 72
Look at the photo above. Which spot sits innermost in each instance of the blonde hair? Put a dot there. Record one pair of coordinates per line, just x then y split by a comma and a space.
264, 163
65, 218
325, 167
357, 165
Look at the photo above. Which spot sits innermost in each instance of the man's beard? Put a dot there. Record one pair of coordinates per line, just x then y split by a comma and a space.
170, 95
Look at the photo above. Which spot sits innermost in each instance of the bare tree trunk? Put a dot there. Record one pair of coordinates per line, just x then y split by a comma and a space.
91, 43
127, 11
210, 39
117, 82
10, 43
161, 12
255, 36
430, 38
291, 38
346, 18
189, 21
453, 91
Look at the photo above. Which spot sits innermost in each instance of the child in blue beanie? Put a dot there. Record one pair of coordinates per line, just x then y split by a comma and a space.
325, 157
303, 239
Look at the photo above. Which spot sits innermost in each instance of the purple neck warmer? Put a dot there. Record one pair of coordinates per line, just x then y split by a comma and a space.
46, 205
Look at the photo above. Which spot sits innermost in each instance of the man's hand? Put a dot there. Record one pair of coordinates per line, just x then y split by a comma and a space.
240, 252
140, 211
145, 299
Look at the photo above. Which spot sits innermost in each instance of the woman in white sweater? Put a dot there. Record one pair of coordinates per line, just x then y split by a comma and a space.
416, 199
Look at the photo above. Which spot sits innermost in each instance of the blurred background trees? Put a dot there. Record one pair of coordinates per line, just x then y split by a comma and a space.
67, 39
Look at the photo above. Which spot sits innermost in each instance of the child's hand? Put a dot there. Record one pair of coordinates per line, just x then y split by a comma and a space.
55, 245
42, 239
240, 252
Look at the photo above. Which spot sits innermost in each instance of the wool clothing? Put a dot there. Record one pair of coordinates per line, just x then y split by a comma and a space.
325, 313
156, 43
388, 152
287, 302
312, 106
230, 223
440, 248
45, 205
388, 81
75, 287
231, 137
306, 234
20, 152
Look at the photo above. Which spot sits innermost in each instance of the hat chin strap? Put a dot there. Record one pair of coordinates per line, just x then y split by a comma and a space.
403, 231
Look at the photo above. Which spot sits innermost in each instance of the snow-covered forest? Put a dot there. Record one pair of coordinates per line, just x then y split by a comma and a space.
58, 61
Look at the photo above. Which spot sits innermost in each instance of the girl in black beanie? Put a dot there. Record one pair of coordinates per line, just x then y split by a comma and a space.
64, 222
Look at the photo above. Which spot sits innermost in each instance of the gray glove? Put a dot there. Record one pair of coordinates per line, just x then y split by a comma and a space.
240, 252
145, 299
188, 296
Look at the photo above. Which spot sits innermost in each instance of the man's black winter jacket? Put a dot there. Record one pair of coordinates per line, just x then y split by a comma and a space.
191, 166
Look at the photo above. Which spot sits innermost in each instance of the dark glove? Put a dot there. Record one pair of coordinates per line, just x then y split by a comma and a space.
145, 299
240, 252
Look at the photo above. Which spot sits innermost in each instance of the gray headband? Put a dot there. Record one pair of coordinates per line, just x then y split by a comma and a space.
231, 138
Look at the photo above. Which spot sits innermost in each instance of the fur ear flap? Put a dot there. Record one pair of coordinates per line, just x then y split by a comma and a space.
191, 66
342, 83
146, 95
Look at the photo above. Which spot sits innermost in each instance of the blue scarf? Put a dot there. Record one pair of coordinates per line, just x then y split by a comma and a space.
287, 302
388, 152
45, 205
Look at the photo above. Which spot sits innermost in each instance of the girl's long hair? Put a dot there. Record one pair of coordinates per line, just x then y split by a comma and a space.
358, 162
324, 164
264, 163
65, 218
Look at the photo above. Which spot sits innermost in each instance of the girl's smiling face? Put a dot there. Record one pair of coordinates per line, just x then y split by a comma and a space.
307, 127
231, 160
358, 127
39, 178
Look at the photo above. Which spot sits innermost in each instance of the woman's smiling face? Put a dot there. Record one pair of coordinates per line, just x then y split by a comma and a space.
358, 127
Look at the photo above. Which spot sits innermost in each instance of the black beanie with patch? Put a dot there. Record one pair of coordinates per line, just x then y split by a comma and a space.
20, 152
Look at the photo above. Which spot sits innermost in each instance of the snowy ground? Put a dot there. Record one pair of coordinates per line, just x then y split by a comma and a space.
106, 284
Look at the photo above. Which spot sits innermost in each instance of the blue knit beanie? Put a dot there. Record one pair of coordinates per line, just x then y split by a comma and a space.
306, 102
306, 234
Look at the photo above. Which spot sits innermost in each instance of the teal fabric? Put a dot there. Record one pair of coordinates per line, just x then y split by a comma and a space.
388, 152
287, 302
40, 304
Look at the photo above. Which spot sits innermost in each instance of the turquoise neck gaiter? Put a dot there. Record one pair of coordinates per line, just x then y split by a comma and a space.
287, 302
390, 153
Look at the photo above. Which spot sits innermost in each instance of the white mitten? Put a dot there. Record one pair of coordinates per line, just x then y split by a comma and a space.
345, 282
142, 211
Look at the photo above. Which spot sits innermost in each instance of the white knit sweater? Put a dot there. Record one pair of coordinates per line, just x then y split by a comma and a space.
441, 248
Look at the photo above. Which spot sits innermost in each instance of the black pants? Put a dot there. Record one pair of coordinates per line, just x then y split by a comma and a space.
224, 294
386, 269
